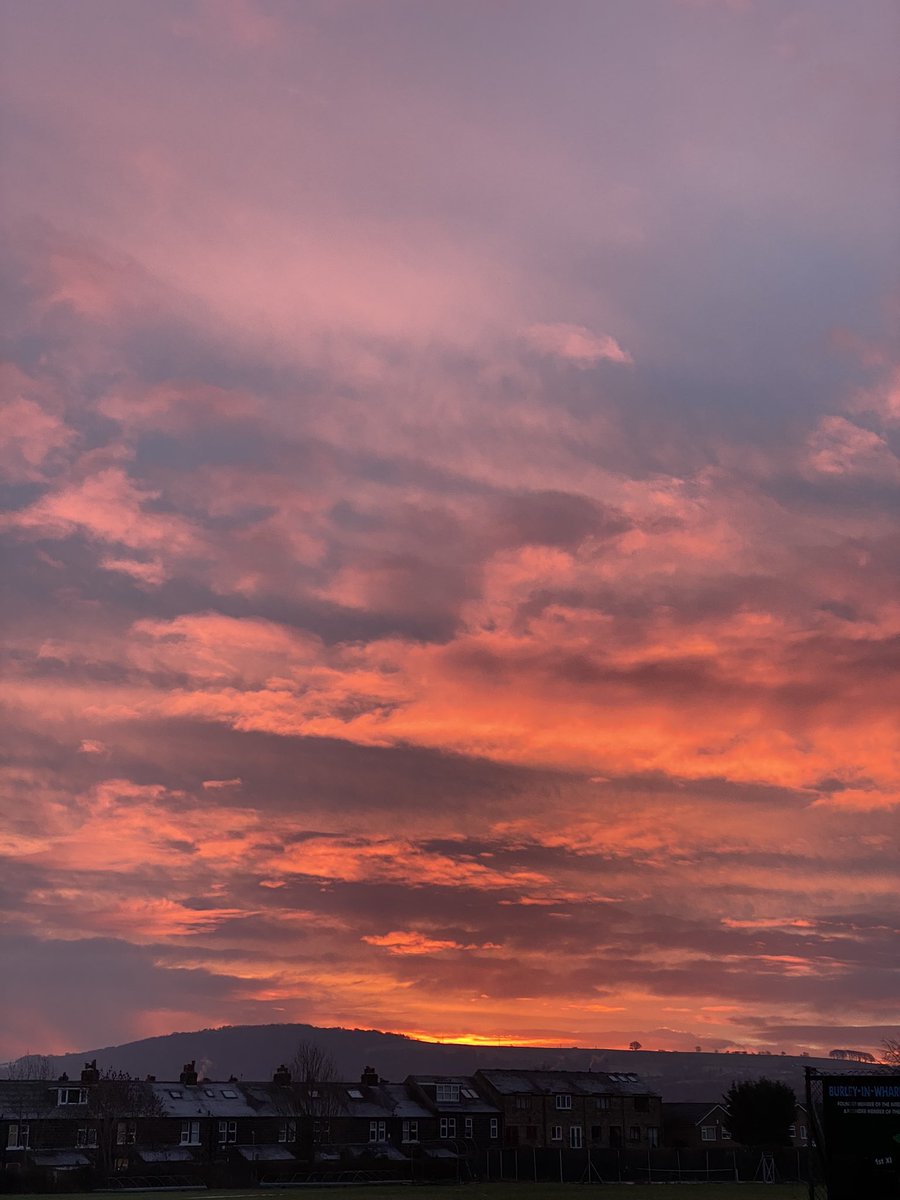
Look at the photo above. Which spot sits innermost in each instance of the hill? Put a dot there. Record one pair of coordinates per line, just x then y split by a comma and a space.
254, 1051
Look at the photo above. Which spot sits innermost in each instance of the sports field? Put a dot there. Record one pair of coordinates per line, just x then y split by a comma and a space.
493, 1191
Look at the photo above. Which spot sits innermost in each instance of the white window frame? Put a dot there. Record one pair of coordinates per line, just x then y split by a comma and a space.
556, 1133
707, 1133
603, 1103
446, 1093
804, 1136
724, 1134
410, 1131
653, 1136
378, 1131
64, 1095
576, 1137
190, 1133
469, 1128
563, 1100
448, 1127
287, 1131
18, 1136
495, 1127
227, 1133
86, 1136
126, 1133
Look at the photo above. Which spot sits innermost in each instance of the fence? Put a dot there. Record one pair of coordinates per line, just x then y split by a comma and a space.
644, 1166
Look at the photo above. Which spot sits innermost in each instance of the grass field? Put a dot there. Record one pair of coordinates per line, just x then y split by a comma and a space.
477, 1191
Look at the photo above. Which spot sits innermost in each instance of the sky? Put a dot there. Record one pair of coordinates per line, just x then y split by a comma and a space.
451, 460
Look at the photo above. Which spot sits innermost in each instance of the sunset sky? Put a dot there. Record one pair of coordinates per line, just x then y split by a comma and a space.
450, 533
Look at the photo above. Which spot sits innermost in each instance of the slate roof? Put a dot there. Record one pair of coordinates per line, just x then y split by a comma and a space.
65, 1159
29, 1099
265, 1153
465, 1104
575, 1083
187, 1100
692, 1112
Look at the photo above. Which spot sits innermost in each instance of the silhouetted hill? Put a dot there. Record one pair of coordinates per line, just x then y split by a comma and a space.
254, 1051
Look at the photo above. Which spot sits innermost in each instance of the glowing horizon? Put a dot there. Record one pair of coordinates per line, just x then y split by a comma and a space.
451, 470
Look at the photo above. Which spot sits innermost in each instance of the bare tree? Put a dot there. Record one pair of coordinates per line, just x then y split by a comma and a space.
116, 1102
31, 1066
890, 1051
312, 1098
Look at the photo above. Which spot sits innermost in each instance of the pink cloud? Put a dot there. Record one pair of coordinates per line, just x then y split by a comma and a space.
840, 447
110, 507
576, 344
32, 435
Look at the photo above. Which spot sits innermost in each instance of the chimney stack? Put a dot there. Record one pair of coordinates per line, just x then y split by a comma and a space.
188, 1074
369, 1077
89, 1073
282, 1076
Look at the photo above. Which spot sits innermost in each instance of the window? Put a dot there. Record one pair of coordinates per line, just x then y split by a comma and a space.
175, 1095
576, 1137
469, 1128
521, 1101
377, 1131
563, 1100
653, 1135
642, 1104
354, 1093
229, 1093
447, 1093
707, 1133
321, 1131
410, 1131
495, 1127
18, 1137
126, 1133
448, 1127
602, 1103
556, 1133
792, 1131
512, 1135
190, 1133
634, 1133
725, 1134
803, 1133
209, 1092
287, 1131
72, 1096
531, 1133
227, 1133
469, 1093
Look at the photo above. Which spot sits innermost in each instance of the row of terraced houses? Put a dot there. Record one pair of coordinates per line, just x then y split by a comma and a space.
102, 1130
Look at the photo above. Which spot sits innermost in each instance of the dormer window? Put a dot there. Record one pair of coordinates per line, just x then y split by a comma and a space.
67, 1095
447, 1093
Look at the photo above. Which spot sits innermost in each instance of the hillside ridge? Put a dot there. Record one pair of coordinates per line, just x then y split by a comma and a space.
253, 1052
